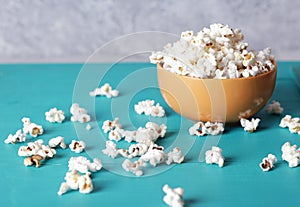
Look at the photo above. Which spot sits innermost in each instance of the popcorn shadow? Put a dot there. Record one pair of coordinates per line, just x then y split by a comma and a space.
192, 202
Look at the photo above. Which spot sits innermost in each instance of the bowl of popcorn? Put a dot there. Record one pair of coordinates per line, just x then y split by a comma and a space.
212, 76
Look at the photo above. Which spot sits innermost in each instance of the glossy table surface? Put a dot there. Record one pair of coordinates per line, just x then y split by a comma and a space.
32, 89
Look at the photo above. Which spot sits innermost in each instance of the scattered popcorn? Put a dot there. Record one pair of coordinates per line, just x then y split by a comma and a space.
79, 114
31, 149
155, 155
54, 115
268, 162
75, 181
46, 152
108, 125
208, 128
77, 146
31, 128
250, 126
33, 160
214, 52
110, 150
88, 127
214, 156
17, 137
274, 108
147, 135
292, 123
57, 141
105, 90
175, 156
135, 167
148, 107
83, 165
173, 197
291, 154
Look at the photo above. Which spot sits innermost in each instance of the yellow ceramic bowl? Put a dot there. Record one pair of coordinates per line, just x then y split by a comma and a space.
225, 100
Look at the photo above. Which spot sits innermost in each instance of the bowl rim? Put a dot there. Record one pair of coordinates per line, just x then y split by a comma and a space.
159, 66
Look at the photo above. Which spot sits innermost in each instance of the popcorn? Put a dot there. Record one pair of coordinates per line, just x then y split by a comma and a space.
135, 167
57, 141
105, 90
155, 155
31, 149
175, 156
147, 135
250, 126
137, 150
292, 123
268, 162
75, 181
108, 125
17, 137
148, 107
77, 146
274, 108
88, 127
291, 154
214, 52
173, 197
46, 152
33, 160
110, 150
214, 156
83, 165
79, 114
31, 128
208, 128
54, 115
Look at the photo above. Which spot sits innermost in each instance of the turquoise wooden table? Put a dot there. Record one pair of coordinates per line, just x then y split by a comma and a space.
32, 89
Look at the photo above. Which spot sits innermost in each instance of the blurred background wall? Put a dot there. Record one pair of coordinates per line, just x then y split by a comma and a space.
71, 30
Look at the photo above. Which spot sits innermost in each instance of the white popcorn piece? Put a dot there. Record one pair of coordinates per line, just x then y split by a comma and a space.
274, 108
108, 125
33, 129
214, 156
214, 52
174, 196
207, 128
83, 165
291, 154
135, 167
46, 152
250, 126
57, 141
175, 156
54, 115
292, 123
17, 137
75, 181
114, 135
110, 150
105, 90
79, 114
31, 149
85, 184
77, 146
138, 149
155, 155
88, 127
268, 162
148, 107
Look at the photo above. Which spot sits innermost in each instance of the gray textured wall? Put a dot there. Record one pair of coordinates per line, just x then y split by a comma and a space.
70, 30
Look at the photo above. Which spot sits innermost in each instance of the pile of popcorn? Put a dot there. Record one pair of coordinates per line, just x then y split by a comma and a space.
144, 146
215, 52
